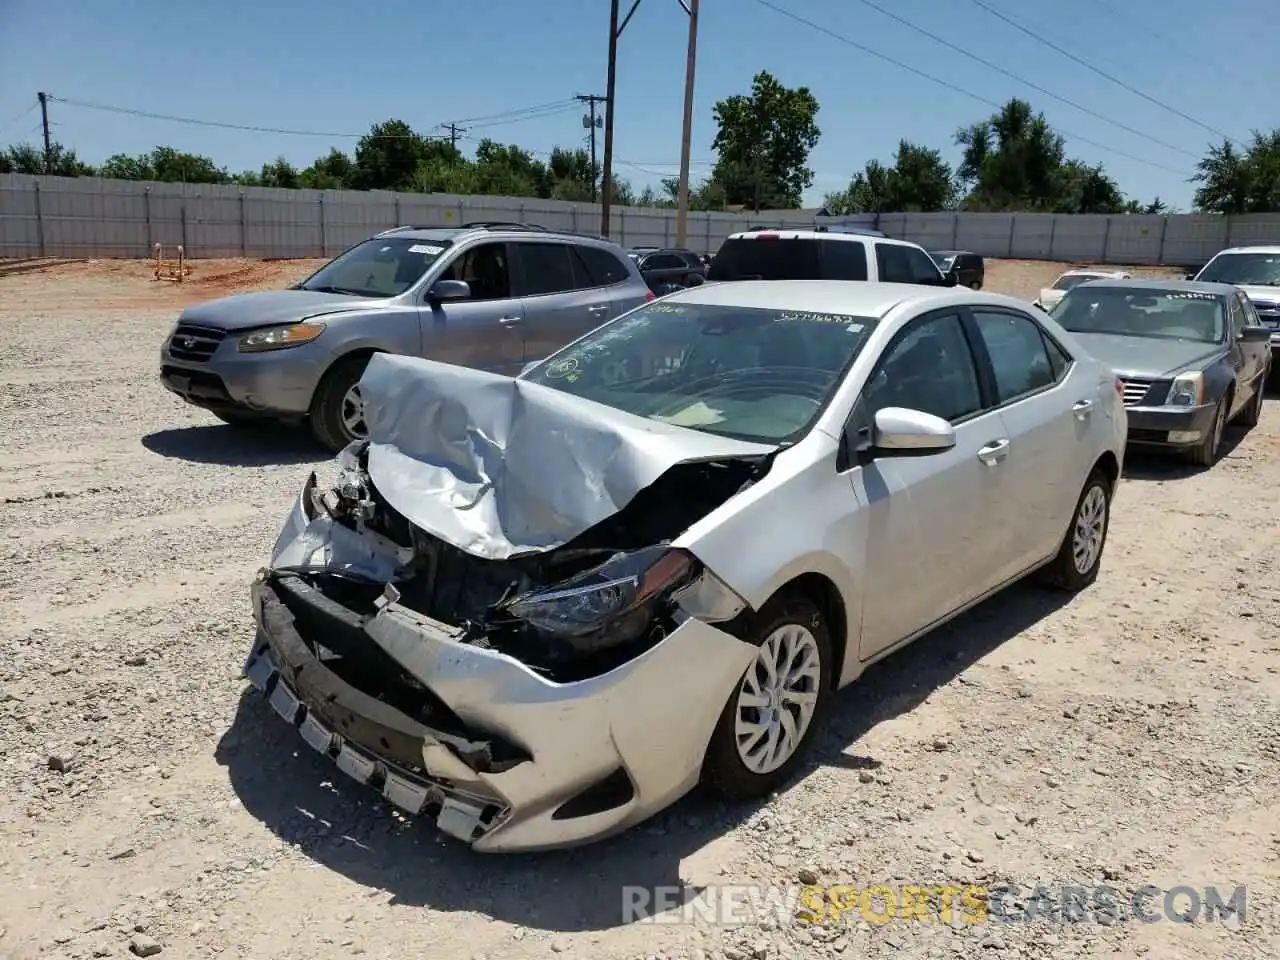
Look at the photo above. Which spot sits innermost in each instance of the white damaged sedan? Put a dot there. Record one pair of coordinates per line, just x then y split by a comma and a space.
540, 610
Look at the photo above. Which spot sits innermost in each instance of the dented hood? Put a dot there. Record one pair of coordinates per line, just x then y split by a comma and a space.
500, 467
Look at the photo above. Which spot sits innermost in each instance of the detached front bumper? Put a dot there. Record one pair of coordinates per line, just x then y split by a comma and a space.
1170, 426
521, 763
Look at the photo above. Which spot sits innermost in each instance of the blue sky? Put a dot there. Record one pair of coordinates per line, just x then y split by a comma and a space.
336, 66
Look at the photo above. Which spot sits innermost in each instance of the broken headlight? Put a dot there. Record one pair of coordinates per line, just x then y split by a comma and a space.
612, 604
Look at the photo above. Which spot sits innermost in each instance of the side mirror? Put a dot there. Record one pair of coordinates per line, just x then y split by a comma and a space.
695, 279
449, 290
1255, 334
899, 432
950, 278
1191, 275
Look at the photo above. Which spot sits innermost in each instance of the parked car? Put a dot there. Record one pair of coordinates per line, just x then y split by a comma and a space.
668, 268
970, 269
546, 638
1255, 270
1193, 356
823, 255
1049, 296
488, 296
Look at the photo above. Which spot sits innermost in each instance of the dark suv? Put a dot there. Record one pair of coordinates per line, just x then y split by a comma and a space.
969, 268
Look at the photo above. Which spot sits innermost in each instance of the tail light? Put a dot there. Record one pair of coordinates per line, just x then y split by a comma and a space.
766, 236
649, 296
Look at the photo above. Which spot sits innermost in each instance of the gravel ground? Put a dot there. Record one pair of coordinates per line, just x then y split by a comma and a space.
1128, 737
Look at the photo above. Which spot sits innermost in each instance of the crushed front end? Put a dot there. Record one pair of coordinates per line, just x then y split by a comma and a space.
526, 703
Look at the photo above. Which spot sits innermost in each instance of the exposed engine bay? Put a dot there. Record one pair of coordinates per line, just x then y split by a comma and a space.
570, 612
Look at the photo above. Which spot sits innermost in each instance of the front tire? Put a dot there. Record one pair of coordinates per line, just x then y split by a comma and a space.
769, 721
1076, 565
1251, 414
1205, 454
337, 410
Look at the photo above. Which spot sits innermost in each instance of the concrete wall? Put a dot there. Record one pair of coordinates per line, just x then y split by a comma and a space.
90, 217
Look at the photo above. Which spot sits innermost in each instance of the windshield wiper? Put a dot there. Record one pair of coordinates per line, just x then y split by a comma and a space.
342, 290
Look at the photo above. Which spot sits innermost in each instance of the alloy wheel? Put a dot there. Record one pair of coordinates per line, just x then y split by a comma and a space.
353, 413
777, 698
1090, 530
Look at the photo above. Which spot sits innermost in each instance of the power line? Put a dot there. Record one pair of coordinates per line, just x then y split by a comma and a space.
1099, 71
22, 116
953, 87
514, 115
1023, 80
1145, 25
566, 102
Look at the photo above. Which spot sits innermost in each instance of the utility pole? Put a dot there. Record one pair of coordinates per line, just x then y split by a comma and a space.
44, 121
591, 122
682, 201
454, 131
615, 31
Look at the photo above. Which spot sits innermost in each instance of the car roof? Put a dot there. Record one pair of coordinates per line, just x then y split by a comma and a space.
1168, 286
818, 235
952, 253
1260, 249
505, 232
846, 297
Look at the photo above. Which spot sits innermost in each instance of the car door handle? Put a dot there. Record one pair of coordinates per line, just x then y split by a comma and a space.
511, 321
598, 308
994, 452
1082, 409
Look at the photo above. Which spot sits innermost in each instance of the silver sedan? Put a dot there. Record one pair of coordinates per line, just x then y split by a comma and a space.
541, 609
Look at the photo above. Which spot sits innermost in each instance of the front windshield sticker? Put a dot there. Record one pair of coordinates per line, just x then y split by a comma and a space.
816, 318
562, 369
669, 308
1191, 296
425, 248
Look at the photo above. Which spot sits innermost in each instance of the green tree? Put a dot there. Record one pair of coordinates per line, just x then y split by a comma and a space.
763, 143
388, 156
167, 165
334, 171
508, 171
1012, 160
1232, 180
26, 158
918, 181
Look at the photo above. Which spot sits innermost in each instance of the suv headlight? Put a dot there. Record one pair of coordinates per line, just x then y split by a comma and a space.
280, 338
1187, 390
609, 605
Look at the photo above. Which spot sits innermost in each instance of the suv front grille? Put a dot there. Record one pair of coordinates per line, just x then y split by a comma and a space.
190, 342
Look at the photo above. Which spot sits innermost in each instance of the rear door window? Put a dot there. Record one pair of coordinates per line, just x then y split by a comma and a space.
547, 268
891, 263
767, 259
600, 266
844, 260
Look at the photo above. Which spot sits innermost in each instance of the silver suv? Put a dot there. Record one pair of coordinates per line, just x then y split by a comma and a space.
490, 295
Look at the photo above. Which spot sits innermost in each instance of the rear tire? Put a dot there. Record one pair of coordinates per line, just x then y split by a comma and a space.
337, 408
1076, 565
975, 285
737, 765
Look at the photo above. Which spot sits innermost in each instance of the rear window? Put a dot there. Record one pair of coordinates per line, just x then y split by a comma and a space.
789, 259
601, 266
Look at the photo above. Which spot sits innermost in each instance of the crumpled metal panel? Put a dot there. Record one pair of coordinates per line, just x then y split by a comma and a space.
499, 467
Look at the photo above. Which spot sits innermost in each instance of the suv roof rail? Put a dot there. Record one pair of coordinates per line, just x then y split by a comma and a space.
503, 225
409, 226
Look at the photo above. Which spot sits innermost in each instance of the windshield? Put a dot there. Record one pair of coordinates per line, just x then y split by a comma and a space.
1067, 282
384, 267
1258, 269
750, 373
1157, 314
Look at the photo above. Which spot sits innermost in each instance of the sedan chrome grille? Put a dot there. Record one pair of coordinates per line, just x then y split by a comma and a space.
190, 342
1135, 391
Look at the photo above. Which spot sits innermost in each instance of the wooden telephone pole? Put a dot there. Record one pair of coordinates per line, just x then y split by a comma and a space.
44, 122
686, 136
615, 31
454, 132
